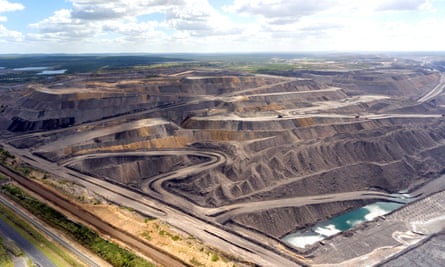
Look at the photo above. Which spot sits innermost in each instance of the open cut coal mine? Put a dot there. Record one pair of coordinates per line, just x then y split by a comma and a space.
272, 140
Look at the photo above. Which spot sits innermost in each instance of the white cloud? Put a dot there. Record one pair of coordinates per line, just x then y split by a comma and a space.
6, 6
100, 20
279, 8
61, 26
401, 5
245, 25
9, 36
340, 24
199, 18
105, 10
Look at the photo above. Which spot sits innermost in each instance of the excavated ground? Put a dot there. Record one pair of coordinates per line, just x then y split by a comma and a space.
277, 137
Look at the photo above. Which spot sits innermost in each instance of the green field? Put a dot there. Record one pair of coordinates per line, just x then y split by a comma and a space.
5, 259
90, 239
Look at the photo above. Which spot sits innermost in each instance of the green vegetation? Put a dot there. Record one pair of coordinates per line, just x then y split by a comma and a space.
173, 237
195, 262
12, 247
215, 257
5, 260
55, 253
109, 251
2, 177
8, 160
146, 235
149, 219
264, 67
4, 155
76, 63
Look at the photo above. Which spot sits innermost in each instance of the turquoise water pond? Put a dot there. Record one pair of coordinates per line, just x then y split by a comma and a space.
340, 223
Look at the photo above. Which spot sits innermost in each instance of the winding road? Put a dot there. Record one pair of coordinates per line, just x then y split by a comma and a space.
209, 233
435, 92
206, 224
154, 187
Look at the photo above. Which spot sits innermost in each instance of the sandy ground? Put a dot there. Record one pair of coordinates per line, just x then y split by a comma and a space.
160, 234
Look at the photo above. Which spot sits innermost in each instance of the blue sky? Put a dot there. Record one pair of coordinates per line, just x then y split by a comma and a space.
92, 26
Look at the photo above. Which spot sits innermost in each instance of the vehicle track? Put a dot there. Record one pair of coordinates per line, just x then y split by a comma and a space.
252, 251
154, 186
77, 211
52, 235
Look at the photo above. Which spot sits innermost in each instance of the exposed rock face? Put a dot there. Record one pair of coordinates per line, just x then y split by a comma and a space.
287, 220
95, 100
336, 161
132, 169
391, 82
310, 133
20, 125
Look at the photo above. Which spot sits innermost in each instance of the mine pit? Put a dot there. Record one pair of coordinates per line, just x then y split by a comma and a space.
305, 160
340, 223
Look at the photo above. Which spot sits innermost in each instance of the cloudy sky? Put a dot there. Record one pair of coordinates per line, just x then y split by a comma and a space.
91, 26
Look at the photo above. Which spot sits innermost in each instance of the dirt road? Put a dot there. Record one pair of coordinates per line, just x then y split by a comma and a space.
89, 218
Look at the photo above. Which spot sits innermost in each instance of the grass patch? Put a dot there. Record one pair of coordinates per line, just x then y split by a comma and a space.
195, 262
214, 258
12, 247
4, 154
54, 252
175, 237
5, 259
109, 251
146, 235
149, 219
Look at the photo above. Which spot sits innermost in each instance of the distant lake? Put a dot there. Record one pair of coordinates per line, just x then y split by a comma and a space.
51, 72
30, 69
340, 223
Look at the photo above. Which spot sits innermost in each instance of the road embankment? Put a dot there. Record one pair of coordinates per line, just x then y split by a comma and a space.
104, 228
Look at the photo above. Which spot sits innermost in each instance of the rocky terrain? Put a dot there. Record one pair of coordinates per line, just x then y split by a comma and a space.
268, 137
429, 253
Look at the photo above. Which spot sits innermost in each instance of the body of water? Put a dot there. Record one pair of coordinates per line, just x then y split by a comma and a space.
30, 69
340, 223
51, 72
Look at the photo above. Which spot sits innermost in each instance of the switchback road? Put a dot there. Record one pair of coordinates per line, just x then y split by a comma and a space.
217, 237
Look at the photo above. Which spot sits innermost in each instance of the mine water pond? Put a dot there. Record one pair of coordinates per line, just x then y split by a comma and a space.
30, 69
42, 70
340, 223
52, 72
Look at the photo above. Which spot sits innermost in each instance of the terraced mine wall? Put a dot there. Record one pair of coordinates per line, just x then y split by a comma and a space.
132, 169
405, 82
272, 151
287, 166
288, 220
47, 108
